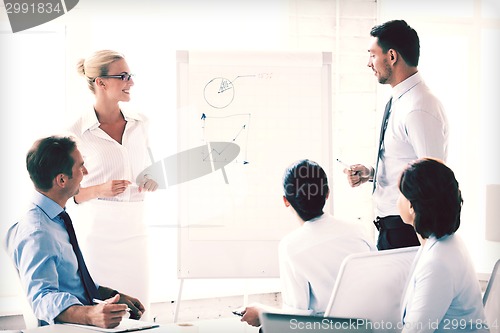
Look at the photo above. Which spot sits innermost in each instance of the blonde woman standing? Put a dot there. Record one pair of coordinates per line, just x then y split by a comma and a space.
114, 143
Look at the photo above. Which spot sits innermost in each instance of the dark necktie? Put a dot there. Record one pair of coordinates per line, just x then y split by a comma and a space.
383, 127
88, 283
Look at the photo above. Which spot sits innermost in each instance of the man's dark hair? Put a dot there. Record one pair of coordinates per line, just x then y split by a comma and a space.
398, 35
306, 188
49, 157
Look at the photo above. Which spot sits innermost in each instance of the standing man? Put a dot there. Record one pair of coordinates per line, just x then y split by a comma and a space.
414, 126
45, 251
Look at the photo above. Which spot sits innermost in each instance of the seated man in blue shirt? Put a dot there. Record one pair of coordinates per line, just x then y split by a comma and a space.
45, 251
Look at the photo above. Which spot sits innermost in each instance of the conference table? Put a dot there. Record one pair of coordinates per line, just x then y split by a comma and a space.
222, 325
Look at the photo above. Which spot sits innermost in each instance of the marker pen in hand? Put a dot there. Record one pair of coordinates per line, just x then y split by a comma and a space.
98, 301
347, 166
344, 164
238, 313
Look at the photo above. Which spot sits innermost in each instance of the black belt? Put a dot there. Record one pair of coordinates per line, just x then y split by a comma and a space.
388, 222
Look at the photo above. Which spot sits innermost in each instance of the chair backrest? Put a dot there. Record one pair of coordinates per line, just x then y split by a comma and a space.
371, 285
288, 323
30, 321
491, 299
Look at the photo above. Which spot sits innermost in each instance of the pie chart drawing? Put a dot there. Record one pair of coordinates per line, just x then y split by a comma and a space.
219, 92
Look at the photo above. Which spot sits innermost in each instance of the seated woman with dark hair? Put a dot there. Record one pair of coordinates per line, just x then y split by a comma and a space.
443, 293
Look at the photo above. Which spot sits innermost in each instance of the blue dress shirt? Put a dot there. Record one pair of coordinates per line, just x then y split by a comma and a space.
43, 256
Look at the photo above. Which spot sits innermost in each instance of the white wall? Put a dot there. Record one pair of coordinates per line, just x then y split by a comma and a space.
32, 93
459, 41
458, 61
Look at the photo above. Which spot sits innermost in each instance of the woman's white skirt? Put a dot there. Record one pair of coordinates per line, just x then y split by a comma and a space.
114, 241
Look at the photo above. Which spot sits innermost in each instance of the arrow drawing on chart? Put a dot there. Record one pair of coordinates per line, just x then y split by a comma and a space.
244, 127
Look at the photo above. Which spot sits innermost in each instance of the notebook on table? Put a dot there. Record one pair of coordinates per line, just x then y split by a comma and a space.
287, 323
126, 325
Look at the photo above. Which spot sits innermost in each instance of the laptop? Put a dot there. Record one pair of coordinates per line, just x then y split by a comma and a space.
287, 323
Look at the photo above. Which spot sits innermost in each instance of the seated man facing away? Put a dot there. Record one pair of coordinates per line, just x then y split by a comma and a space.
45, 251
311, 255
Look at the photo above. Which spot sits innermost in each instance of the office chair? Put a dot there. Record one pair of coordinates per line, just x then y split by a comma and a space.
30, 321
371, 285
289, 323
491, 300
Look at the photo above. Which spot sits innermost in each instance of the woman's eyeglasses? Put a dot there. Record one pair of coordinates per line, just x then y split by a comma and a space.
123, 77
